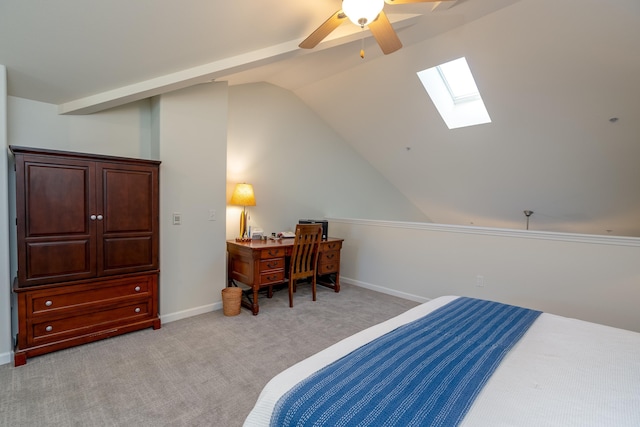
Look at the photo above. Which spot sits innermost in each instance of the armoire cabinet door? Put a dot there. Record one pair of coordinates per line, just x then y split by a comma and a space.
54, 204
127, 197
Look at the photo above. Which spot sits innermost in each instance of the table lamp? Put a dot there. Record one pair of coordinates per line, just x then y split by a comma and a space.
243, 196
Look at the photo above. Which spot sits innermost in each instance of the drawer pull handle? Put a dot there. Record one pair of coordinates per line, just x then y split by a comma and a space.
49, 328
272, 264
137, 289
137, 310
273, 253
48, 303
330, 256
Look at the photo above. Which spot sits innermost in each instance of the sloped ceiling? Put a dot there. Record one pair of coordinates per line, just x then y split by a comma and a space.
552, 74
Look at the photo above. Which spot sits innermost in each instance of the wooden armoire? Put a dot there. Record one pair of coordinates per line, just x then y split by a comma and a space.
87, 246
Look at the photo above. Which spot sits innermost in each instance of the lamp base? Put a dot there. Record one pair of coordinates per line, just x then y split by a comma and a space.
243, 224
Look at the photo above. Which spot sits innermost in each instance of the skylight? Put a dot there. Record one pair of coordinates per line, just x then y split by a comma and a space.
453, 90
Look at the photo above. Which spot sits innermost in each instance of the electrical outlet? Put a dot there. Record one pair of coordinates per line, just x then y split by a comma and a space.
480, 281
177, 218
212, 214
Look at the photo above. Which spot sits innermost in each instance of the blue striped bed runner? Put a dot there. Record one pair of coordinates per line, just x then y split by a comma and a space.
425, 373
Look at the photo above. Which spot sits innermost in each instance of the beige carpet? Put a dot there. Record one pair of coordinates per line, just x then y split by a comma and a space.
203, 371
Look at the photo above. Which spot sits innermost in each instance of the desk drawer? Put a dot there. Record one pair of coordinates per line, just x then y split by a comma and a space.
272, 253
329, 257
272, 264
328, 268
329, 262
330, 246
272, 277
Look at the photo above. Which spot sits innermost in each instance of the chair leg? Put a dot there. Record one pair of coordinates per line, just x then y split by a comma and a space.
291, 284
313, 287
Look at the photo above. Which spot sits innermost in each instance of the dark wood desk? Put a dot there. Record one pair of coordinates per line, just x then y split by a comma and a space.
260, 264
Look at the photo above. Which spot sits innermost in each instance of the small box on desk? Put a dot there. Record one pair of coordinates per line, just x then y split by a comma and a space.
325, 225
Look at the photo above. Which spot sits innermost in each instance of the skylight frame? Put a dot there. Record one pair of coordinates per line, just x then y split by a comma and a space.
457, 98
457, 110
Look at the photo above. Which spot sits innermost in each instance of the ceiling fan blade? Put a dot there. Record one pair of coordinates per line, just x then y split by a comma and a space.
323, 30
412, 1
385, 34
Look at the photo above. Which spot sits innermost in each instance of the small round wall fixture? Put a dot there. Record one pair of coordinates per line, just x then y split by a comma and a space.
528, 214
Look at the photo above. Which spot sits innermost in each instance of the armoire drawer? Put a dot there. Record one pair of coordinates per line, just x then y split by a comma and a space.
76, 297
98, 321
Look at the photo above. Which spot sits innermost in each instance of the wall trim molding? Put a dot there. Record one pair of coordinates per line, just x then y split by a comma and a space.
384, 290
179, 315
498, 232
6, 358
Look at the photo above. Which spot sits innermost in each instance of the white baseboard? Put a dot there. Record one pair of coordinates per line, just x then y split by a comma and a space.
172, 317
167, 318
382, 289
6, 358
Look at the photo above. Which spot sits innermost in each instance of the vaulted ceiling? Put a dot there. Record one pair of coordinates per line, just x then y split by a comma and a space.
553, 74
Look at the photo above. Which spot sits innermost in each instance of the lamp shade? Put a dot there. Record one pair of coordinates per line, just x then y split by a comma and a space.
243, 195
362, 12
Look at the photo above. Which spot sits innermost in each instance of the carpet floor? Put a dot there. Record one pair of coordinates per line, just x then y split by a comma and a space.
206, 370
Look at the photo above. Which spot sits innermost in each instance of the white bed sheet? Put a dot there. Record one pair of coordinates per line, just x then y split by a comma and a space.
563, 372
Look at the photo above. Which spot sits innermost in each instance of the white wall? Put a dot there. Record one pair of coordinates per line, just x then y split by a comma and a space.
267, 132
299, 167
5, 276
122, 131
265, 135
191, 127
593, 278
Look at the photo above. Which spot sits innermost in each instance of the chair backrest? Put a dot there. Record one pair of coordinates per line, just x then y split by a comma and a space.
304, 255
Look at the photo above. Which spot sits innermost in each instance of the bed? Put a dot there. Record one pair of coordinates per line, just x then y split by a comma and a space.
556, 371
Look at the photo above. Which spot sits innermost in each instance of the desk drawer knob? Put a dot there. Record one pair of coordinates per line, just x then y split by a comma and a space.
48, 303
137, 289
330, 256
49, 328
137, 310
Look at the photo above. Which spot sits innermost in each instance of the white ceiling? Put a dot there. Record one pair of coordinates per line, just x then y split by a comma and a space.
552, 73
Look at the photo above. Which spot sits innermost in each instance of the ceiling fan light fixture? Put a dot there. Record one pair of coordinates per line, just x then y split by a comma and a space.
362, 12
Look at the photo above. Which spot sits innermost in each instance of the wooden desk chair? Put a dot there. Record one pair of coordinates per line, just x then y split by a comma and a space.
304, 257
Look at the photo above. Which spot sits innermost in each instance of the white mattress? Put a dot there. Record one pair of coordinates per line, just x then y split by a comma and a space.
563, 372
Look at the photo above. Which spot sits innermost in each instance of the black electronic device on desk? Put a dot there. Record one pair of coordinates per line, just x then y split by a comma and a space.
325, 225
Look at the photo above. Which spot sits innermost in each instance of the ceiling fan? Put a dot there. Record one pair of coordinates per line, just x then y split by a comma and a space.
363, 13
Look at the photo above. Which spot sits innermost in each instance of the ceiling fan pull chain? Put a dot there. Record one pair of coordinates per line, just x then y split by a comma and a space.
362, 49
